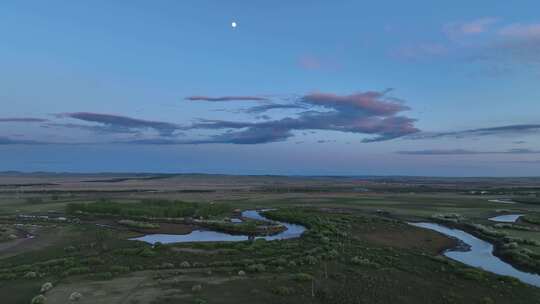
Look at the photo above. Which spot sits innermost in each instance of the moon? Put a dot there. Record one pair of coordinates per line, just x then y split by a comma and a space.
233, 24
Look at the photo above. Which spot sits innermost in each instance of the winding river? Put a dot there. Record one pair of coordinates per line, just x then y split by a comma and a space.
480, 254
292, 231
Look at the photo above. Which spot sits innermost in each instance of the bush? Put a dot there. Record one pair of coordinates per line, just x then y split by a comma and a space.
282, 291
362, 261
70, 249
185, 264
75, 296
332, 254
149, 208
448, 217
46, 287
302, 277
76, 270
256, 268
196, 288
102, 275
472, 274
94, 261
30, 275
147, 253
119, 269
8, 276
311, 260
137, 224
512, 245
39, 299
488, 231
279, 262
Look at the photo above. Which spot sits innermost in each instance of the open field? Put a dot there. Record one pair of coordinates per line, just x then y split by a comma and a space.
358, 247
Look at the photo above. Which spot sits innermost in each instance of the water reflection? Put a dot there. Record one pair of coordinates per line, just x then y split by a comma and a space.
480, 254
508, 218
292, 231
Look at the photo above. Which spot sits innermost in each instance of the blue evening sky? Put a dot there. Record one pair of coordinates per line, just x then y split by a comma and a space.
446, 88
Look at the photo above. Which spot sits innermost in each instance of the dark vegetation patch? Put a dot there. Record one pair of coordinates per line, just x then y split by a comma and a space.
149, 208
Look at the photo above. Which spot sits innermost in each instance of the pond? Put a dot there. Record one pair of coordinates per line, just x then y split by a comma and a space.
479, 254
507, 218
292, 231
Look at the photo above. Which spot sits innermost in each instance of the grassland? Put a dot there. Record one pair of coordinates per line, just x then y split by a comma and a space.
357, 249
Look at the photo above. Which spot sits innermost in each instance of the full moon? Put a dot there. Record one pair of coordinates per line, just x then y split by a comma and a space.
233, 24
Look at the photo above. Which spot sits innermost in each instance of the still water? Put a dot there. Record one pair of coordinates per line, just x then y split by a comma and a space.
508, 218
292, 231
480, 254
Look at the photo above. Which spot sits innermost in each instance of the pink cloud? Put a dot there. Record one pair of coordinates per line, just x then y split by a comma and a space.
473, 27
371, 102
313, 63
521, 31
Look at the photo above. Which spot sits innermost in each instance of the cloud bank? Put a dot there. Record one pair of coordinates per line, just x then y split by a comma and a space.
227, 98
466, 152
111, 123
372, 113
23, 119
518, 129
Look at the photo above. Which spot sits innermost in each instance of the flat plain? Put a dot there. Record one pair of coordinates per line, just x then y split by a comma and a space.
73, 231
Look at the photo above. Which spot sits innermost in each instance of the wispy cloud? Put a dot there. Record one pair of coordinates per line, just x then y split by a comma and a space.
519, 129
499, 46
376, 114
372, 113
274, 106
119, 124
472, 27
11, 141
227, 98
466, 152
23, 119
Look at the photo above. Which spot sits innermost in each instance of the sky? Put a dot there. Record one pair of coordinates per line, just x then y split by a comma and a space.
431, 88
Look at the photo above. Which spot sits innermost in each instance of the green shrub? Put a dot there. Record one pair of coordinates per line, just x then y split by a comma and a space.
76, 270
256, 268
138, 224
472, 274
75, 296
94, 261
279, 262
8, 276
30, 275
102, 275
185, 264
196, 288
310, 260
147, 253
282, 291
149, 208
39, 299
302, 277
362, 261
46, 287
119, 269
